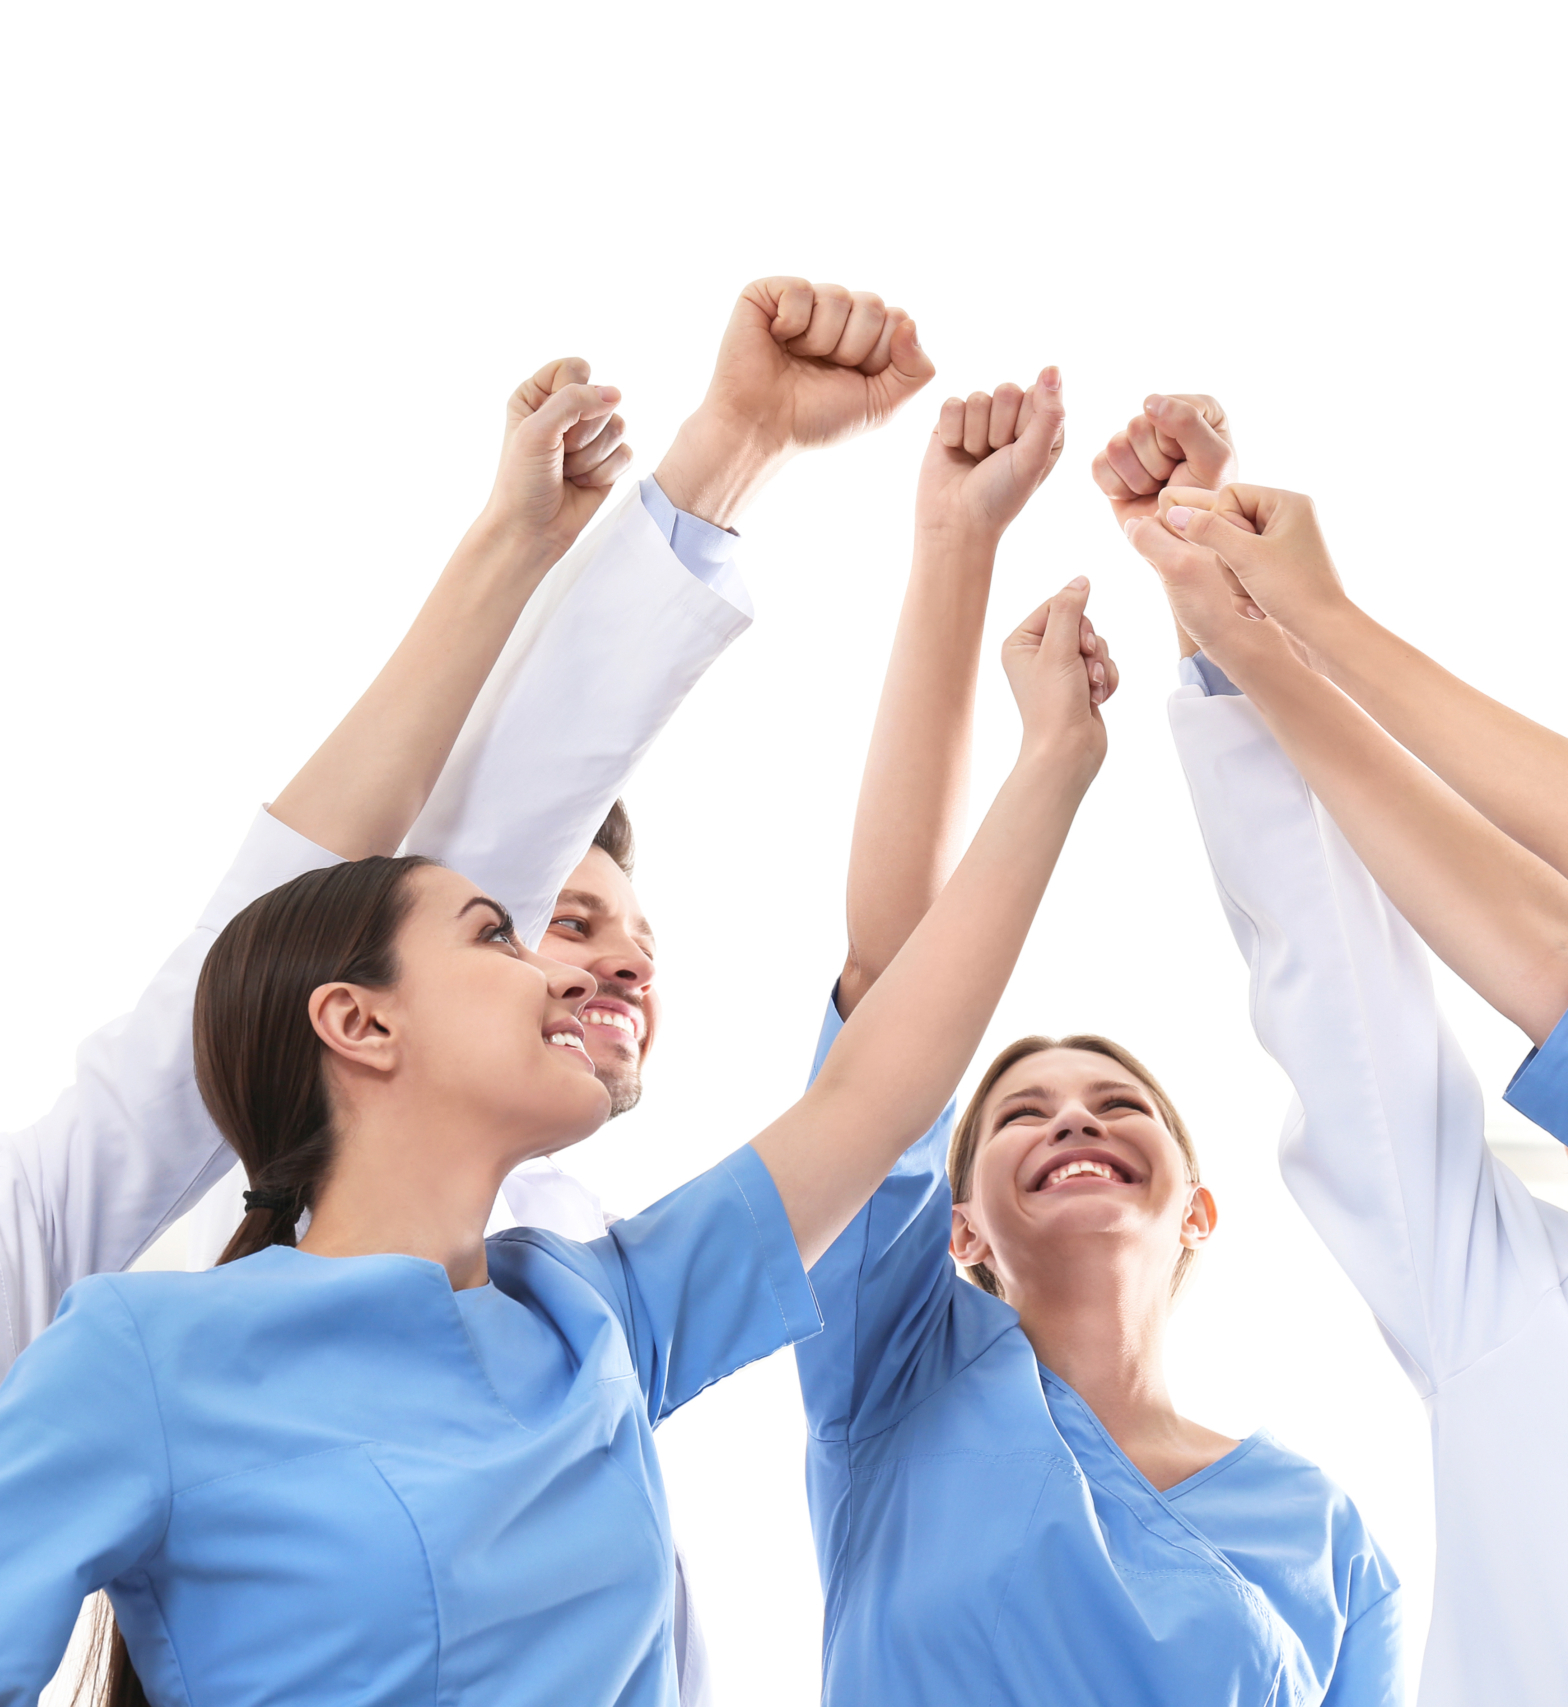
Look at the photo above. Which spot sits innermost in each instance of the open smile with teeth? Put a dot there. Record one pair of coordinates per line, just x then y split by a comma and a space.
613, 1018
1078, 1170
567, 1040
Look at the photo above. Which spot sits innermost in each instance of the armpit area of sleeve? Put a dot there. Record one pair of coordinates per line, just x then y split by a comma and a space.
271, 854
1539, 1090
776, 1245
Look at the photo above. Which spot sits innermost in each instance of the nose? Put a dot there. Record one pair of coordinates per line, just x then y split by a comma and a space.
1075, 1121
623, 965
568, 983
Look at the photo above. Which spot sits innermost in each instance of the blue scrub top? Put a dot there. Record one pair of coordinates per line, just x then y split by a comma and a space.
982, 1539
325, 1480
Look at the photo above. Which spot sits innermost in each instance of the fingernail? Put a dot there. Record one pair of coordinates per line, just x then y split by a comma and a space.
1153, 403
1051, 379
608, 393
1178, 515
1097, 675
1078, 583
1253, 614
1129, 525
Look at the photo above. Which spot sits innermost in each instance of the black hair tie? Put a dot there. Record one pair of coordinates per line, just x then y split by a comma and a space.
279, 1201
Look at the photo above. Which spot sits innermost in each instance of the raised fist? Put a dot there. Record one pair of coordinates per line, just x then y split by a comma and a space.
560, 454
988, 456
1176, 441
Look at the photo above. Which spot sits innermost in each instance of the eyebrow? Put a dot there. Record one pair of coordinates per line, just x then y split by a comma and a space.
503, 918
1099, 1085
592, 904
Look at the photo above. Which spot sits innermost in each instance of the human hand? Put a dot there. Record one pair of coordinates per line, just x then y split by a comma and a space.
1176, 441
1271, 545
988, 455
1061, 673
800, 365
560, 455
1212, 608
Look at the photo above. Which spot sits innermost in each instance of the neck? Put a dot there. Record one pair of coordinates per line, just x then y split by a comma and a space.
1098, 1322
392, 1189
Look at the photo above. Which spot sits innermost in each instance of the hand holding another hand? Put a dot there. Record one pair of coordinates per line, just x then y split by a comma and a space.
988, 455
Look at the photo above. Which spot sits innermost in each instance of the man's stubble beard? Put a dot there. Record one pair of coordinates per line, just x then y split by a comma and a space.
625, 1090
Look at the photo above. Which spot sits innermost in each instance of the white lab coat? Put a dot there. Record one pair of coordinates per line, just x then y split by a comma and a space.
1384, 1149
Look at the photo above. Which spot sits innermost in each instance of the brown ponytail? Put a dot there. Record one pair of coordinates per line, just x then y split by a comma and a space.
259, 1067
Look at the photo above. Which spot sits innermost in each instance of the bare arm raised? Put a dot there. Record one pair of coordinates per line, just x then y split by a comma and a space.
561, 454
900, 1056
1484, 903
987, 455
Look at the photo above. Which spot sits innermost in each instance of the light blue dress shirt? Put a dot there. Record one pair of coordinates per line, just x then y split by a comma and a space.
314, 1480
981, 1538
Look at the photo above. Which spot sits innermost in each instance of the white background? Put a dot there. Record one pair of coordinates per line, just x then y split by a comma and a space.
272, 271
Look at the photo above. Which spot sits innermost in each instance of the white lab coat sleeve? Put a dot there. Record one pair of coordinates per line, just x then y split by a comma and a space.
603, 654
129, 1147
1384, 1147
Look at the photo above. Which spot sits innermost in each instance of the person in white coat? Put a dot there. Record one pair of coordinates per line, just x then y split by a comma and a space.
1326, 836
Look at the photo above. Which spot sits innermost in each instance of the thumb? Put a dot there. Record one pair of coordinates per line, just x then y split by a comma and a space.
561, 411
1040, 441
1240, 548
909, 367
1064, 622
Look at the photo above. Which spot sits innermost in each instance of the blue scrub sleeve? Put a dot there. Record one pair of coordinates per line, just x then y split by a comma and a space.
84, 1478
1369, 1670
1539, 1090
898, 1319
706, 1281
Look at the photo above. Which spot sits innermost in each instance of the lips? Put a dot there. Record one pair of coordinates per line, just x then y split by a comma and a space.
1063, 1169
620, 1019
567, 1034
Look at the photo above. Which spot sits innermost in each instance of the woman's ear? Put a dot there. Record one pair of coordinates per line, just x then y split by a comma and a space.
348, 1019
1201, 1219
969, 1244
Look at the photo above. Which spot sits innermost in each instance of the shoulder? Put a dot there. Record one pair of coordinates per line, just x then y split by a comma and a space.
1308, 1490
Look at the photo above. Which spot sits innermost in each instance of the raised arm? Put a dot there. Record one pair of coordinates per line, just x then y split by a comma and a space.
985, 458
1513, 771
1488, 906
627, 625
904, 1049
366, 783
128, 1148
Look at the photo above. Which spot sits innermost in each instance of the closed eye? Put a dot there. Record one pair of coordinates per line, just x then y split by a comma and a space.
1127, 1102
1021, 1114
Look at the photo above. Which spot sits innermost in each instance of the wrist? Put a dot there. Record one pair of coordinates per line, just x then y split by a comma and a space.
502, 542
717, 465
1063, 762
1331, 631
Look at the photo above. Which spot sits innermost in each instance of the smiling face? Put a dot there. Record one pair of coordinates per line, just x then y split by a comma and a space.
598, 926
485, 1028
1073, 1162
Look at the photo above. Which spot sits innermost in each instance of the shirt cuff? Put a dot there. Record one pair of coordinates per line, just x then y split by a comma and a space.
1539, 1090
271, 855
706, 551
1200, 672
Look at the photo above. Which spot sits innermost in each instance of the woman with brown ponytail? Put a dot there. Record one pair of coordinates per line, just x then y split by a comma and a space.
393, 1463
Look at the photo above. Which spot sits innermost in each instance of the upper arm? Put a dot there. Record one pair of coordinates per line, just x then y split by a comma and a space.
708, 1280
84, 1481
604, 653
1385, 1150
1370, 1667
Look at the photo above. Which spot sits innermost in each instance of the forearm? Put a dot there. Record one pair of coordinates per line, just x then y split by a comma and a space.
902, 1054
1513, 771
909, 822
365, 785
1485, 905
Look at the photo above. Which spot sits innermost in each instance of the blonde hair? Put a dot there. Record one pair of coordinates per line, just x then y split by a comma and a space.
966, 1135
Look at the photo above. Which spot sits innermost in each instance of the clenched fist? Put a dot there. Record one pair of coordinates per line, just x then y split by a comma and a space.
1176, 441
800, 365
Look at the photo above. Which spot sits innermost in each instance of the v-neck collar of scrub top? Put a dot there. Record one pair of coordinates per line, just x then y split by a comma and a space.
1105, 1465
